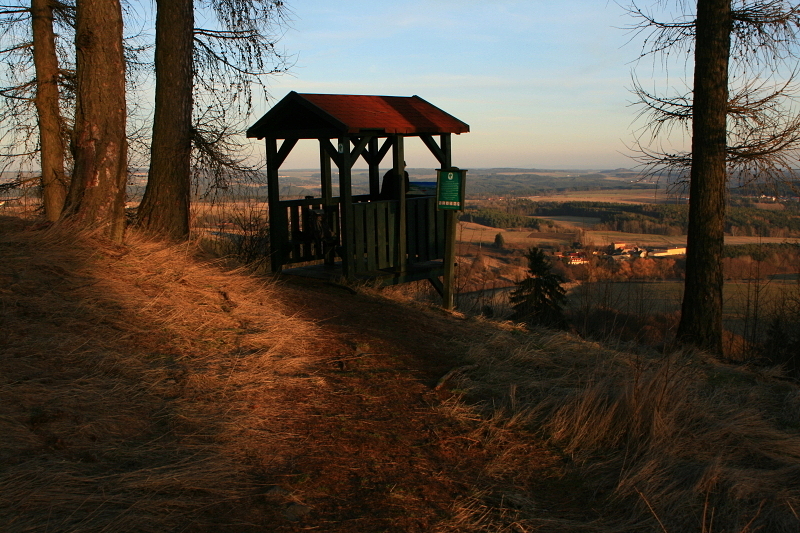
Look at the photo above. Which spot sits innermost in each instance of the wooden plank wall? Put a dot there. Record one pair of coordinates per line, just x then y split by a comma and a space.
426, 230
375, 228
374, 232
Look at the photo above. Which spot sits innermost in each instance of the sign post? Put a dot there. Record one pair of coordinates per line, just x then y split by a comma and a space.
450, 198
450, 189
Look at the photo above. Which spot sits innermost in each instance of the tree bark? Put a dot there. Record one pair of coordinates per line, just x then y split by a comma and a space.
96, 196
701, 312
54, 181
164, 210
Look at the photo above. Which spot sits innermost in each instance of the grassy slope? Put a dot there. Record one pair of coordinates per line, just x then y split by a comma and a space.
145, 388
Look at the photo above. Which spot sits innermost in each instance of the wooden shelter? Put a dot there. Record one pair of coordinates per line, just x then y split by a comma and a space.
358, 236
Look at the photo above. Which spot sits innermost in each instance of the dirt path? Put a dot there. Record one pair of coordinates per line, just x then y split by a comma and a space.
393, 454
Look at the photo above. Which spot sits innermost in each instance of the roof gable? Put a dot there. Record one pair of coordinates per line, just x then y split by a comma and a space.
310, 116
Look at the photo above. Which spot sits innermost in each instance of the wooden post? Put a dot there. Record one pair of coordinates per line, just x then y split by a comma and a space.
327, 201
346, 199
278, 224
451, 219
398, 161
374, 171
325, 176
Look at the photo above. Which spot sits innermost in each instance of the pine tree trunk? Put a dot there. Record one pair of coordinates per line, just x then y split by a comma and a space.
54, 181
165, 206
701, 314
97, 192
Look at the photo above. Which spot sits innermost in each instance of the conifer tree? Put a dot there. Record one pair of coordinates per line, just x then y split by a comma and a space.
539, 299
211, 72
36, 93
747, 131
96, 196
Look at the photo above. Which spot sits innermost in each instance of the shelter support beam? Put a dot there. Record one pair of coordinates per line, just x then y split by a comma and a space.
333, 153
285, 150
448, 281
373, 155
384, 149
437, 152
347, 214
437, 285
374, 168
326, 185
326, 176
277, 217
398, 166
358, 149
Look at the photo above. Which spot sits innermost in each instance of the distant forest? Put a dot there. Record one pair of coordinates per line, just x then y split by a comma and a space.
499, 184
656, 219
516, 183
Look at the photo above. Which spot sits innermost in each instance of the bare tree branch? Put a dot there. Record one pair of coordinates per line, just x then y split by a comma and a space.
764, 122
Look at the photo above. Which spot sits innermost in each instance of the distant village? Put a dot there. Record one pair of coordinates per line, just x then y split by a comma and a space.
616, 251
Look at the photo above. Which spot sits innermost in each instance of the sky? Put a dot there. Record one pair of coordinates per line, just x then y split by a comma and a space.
542, 84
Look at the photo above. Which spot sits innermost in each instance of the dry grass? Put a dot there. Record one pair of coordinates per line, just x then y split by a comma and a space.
677, 443
147, 388
135, 380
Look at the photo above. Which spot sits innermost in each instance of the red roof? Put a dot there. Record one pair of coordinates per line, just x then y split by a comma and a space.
320, 115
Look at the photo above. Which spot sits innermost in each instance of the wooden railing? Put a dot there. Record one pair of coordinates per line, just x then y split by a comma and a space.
307, 230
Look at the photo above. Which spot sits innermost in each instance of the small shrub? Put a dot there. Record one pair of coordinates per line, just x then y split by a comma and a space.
499, 241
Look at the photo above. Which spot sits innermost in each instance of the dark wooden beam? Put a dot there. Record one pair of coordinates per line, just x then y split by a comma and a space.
348, 218
374, 172
325, 176
331, 219
278, 224
437, 285
310, 133
451, 221
398, 164
285, 150
446, 143
359, 149
332, 152
370, 151
437, 152
384, 149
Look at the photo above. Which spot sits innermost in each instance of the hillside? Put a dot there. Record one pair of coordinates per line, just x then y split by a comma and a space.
149, 387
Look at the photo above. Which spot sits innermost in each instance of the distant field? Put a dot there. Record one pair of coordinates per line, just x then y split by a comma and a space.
571, 222
623, 196
472, 232
604, 238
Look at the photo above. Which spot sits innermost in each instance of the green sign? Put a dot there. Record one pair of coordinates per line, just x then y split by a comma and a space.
450, 189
